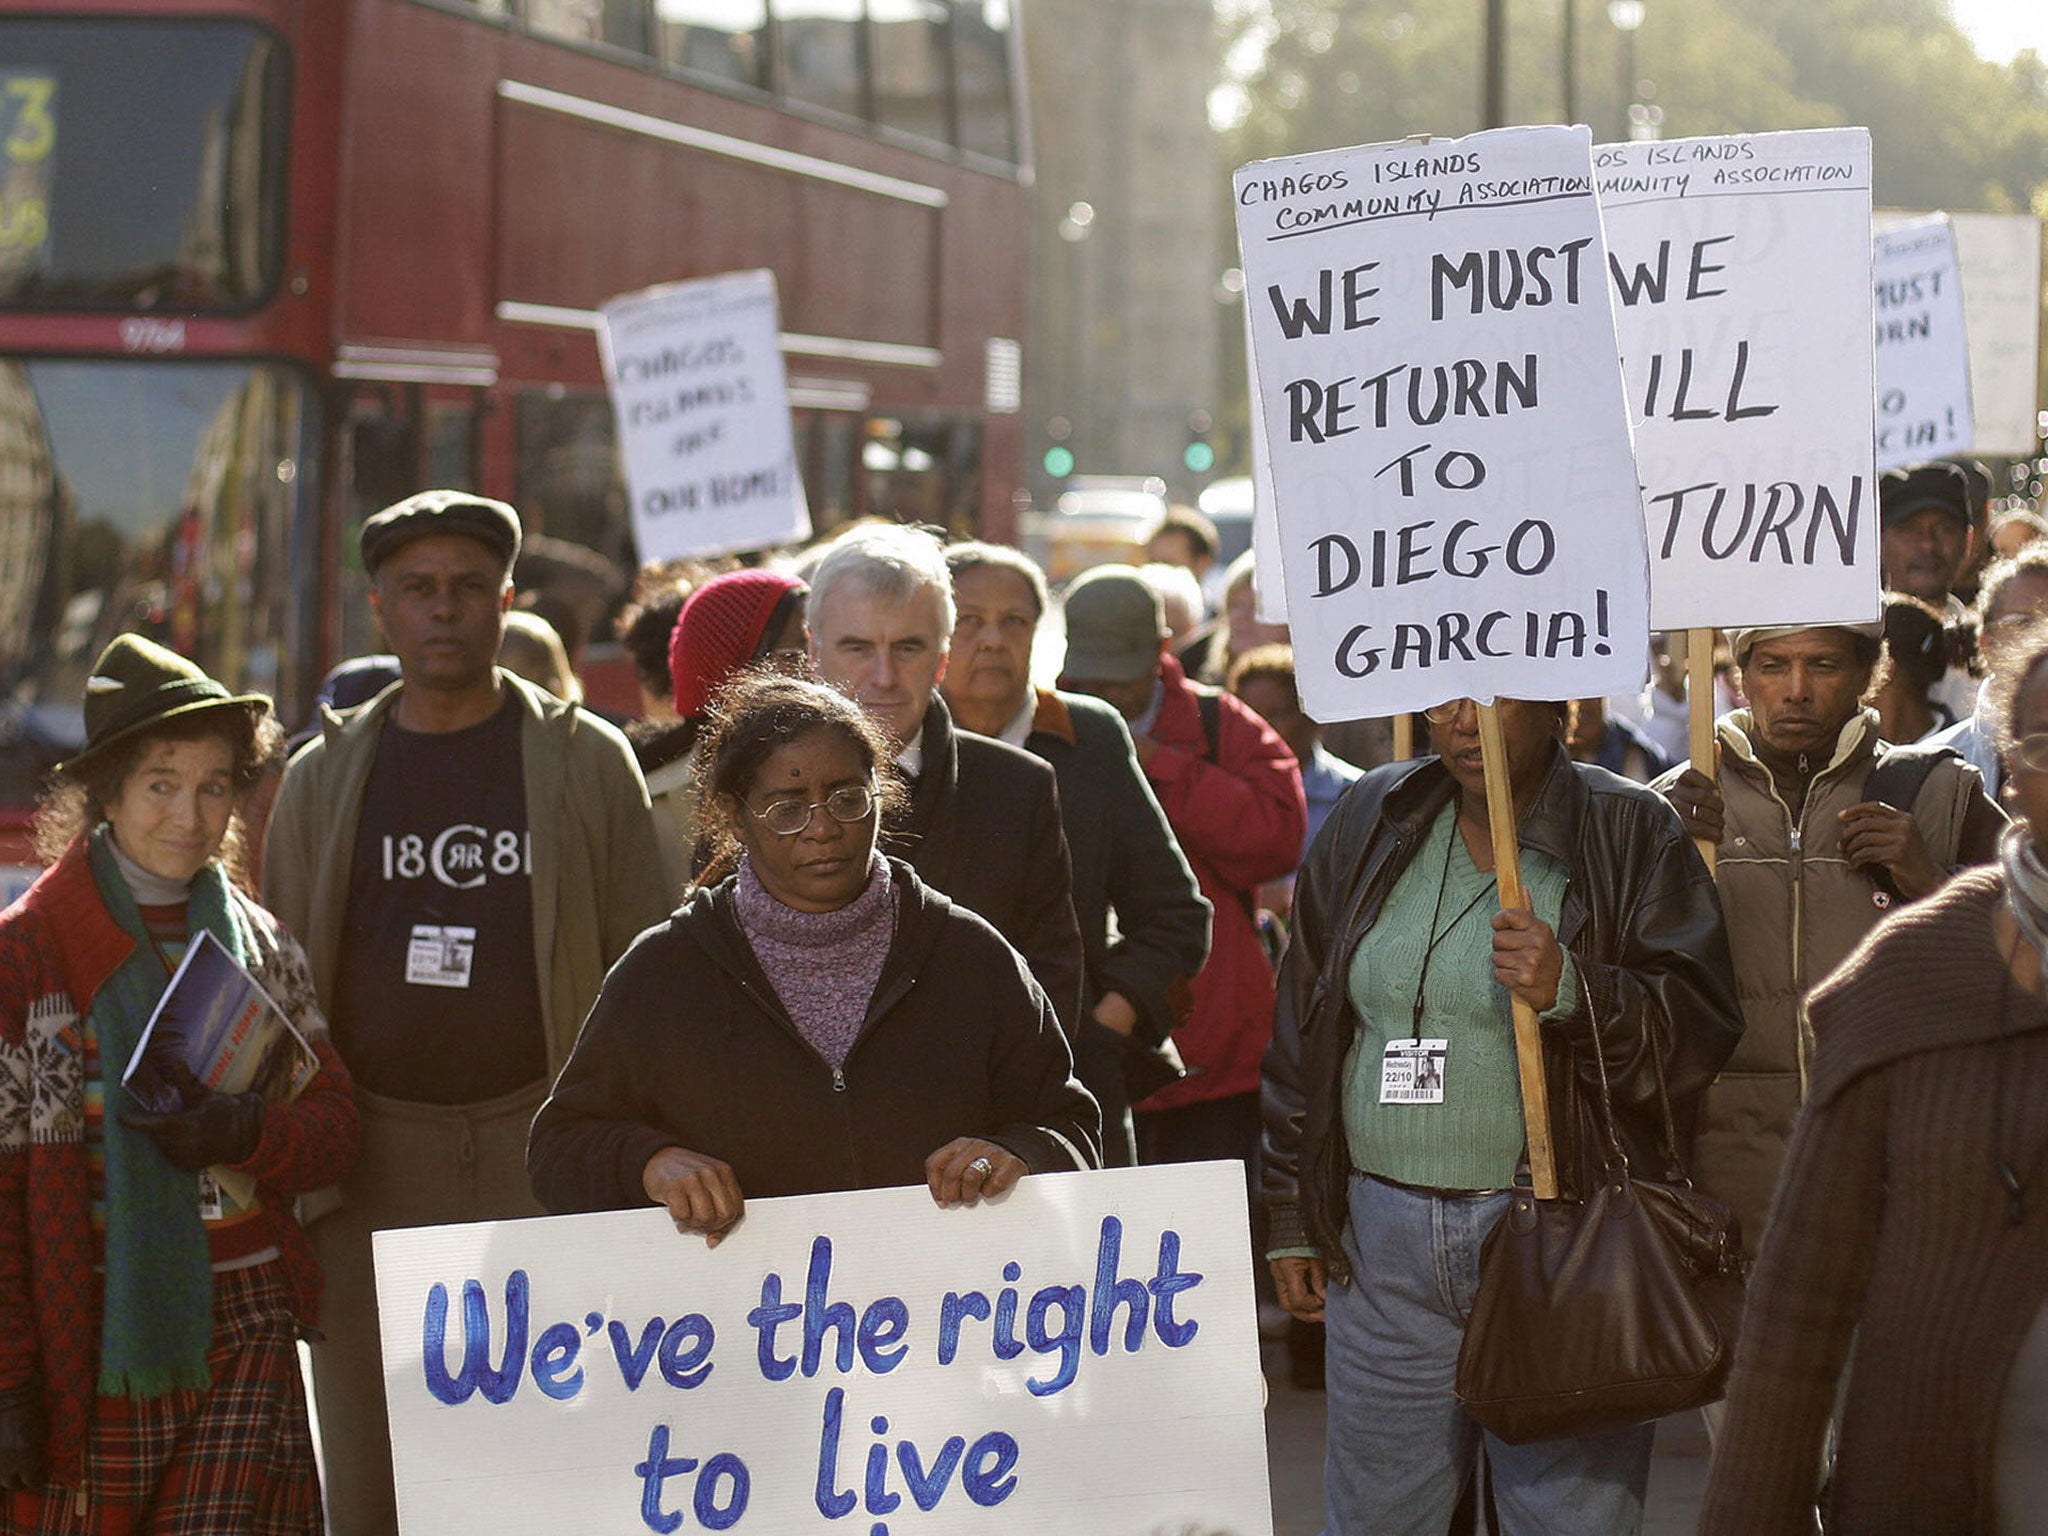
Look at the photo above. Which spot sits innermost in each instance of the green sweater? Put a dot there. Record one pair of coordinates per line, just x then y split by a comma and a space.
1473, 1138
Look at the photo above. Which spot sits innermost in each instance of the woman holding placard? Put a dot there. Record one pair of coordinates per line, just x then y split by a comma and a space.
817, 1019
153, 1282
1909, 1231
1394, 1121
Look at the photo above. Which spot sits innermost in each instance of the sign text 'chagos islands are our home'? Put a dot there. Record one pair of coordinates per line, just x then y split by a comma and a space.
1079, 1358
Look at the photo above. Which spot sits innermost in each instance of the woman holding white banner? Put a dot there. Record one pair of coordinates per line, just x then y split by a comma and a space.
818, 1019
1393, 1116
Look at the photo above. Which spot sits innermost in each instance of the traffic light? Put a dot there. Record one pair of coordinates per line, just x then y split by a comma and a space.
1059, 458
1198, 457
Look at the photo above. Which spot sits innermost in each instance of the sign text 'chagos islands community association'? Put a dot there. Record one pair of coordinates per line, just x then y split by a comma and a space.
1444, 421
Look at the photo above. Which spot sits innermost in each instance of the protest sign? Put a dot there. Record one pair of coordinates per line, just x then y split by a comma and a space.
1078, 1358
1448, 444
697, 387
1999, 256
1269, 586
1741, 275
1923, 358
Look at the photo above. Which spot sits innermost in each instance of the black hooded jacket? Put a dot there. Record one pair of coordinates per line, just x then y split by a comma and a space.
689, 1047
1640, 920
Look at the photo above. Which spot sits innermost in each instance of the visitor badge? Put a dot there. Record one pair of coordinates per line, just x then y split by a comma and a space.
440, 957
213, 1204
1412, 1072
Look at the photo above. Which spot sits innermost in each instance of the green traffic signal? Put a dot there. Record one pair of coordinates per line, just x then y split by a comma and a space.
1059, 461
1199, 457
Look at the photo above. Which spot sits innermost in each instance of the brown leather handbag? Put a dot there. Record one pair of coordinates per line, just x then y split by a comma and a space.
1598, 1314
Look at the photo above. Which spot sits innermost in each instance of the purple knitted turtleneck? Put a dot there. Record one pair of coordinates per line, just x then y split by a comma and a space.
823, 965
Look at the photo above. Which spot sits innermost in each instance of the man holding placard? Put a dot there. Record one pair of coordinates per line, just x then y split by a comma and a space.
1822, 829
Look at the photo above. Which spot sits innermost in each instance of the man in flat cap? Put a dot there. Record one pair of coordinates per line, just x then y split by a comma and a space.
1927, 532
1821, 829
463, 857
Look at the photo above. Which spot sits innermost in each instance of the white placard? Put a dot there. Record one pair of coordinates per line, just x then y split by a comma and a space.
1269, 580
1923, 354
1078, 1359
1741, 274
697, 387
2000, 258
1448, 443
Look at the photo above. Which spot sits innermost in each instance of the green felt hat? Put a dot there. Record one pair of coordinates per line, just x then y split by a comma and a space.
137, 685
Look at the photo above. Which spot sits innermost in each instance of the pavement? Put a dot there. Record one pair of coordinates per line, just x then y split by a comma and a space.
1294, 1459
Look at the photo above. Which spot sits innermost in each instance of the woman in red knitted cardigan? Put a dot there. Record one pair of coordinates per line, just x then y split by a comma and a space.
150, 1308
1912, 1213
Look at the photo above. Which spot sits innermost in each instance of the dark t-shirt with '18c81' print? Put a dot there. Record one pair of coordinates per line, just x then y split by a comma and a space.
438, 1000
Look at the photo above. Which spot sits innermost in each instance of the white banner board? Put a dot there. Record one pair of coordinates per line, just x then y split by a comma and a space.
1269, 583
697, 387
1741, 275
2000, 258
1079, 1358
1923, 355
1446, 434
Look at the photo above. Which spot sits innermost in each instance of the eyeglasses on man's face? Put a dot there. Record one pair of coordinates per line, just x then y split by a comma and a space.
1444, 714
849, 804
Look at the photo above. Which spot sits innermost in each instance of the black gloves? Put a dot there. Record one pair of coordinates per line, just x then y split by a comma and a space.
21, 1438
212, 1128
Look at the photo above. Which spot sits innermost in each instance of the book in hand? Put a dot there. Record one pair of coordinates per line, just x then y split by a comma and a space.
217, 1021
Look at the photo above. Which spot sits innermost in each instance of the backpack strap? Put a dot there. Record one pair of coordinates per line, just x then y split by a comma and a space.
1210, 705
1897, 777
1896, 780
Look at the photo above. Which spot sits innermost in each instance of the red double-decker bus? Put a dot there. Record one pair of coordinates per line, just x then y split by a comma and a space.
266, 265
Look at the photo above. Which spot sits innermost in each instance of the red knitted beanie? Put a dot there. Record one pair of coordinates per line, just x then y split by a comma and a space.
718, 631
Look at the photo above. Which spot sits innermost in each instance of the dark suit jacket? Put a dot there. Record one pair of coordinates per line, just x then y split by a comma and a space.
983, 827
1126, 860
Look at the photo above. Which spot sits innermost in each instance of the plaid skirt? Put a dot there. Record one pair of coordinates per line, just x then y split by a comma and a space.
235, 1460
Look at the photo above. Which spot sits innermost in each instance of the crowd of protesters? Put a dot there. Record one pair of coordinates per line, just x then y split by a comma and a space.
978, 881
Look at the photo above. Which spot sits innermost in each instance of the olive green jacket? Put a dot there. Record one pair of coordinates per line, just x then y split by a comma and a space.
597, 874
1796, 910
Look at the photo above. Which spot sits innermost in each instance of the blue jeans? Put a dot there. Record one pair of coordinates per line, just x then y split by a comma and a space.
1400, 1449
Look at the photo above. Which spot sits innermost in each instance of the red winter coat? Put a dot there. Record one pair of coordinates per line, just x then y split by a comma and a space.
58, 946
1240, 819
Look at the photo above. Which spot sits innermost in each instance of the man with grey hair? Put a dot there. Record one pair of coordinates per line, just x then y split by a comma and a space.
983, 820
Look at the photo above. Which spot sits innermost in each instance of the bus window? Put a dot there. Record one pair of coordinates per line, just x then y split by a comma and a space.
826, 447
821, 53
141, 164
908, 39
925, 471
981, 74
726, 39
195, 525
618, 22
567, 484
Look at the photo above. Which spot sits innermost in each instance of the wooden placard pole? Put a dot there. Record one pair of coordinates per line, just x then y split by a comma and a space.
1507, 873
1699, 707
1404, 736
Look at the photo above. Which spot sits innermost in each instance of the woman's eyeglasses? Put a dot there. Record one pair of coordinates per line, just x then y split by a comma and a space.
1444, 714
2032, 752
786, 818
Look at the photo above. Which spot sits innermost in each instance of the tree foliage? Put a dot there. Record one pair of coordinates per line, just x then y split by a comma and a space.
1949, 130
